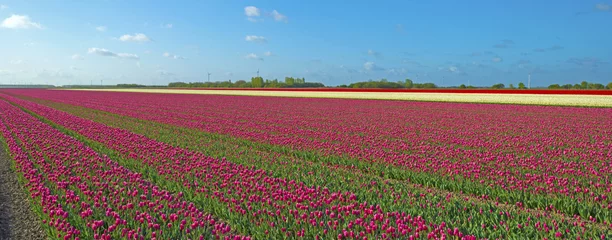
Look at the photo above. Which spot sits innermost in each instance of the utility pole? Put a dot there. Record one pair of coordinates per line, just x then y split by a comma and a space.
208, 77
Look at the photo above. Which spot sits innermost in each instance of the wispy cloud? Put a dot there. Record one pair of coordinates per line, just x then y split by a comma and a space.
371, 66
268, 54
2, 7
101, 28
172, 56
53, 74
592, 62
550, 49
253, 56
138, 37
20, 22
602, 7
253, 38
107, 53
497, 59
506, 43
374, 53
167, 25
77, 57
278, 17
16, 62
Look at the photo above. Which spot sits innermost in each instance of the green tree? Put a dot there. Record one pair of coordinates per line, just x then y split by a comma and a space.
521, 86
289, 81
462, 86
609, 86
498, 86
554, 86
257, 82
511, 86
408, 83
584, 85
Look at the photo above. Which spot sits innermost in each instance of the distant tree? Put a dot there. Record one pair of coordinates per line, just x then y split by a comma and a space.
257, 82
584, 85
462, 86
240, 84
596, 86
566, 86
511, 86
609, 86
498, 86
521, 86
425, 85
408, 83
554, 86
289, 81
577, 86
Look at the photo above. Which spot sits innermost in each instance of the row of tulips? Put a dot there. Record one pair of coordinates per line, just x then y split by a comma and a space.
466, 215
81, 194
514, 153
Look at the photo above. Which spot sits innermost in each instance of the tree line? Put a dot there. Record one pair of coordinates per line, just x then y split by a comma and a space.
384, 83
256, 82
583, 85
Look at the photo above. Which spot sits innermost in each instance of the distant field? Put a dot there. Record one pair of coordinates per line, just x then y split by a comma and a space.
561, 99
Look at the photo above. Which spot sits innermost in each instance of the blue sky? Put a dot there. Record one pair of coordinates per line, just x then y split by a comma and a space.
448, 42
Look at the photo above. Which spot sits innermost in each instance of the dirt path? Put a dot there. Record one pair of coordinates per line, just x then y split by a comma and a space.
17, 220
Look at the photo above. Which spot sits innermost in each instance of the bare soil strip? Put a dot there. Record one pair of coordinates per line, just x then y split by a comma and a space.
17, 219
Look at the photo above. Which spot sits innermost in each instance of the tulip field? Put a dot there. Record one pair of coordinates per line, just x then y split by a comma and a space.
128, 165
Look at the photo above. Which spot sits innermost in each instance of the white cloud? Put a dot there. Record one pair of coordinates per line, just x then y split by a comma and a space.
2, 7
497, 59
371, 66
279, 17
453, 69
602, 7
28, 44
167, 25
77, 57
253, 56
172, 56
128, 56
253, 38
16, 62
251, 11
107, 53
73, 68
138, 37
268, 54
101, 28
19, 22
